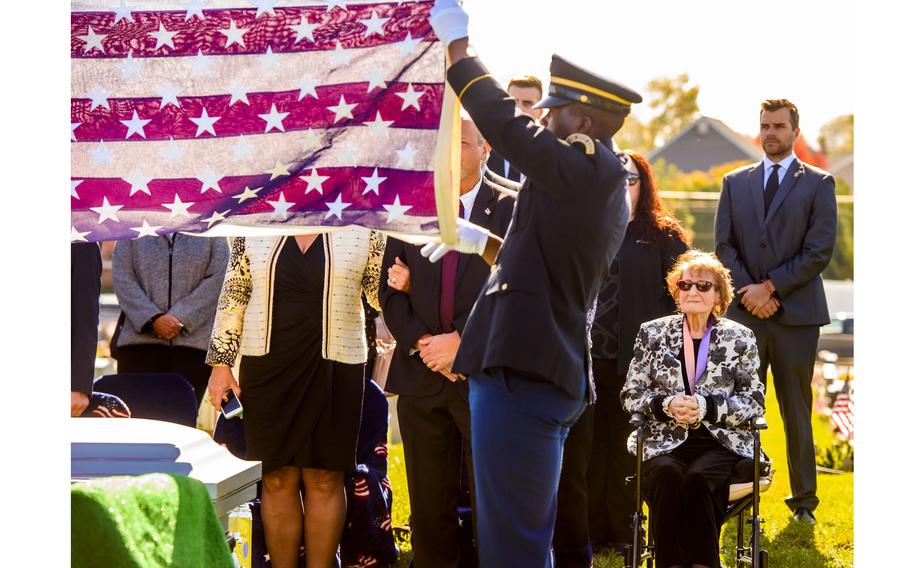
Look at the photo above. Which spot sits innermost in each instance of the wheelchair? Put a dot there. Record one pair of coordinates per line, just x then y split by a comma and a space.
742, 496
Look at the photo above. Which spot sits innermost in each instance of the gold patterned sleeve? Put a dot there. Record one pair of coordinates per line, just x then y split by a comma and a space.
373, 270
235, 295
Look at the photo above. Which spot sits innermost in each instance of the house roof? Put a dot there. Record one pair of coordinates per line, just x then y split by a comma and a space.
739, 141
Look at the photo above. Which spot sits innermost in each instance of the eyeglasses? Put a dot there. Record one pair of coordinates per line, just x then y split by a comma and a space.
701, 285
632, 179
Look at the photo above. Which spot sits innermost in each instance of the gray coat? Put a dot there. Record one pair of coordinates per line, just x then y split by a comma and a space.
179, 275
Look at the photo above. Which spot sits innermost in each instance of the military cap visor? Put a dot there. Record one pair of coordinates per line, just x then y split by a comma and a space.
570, 83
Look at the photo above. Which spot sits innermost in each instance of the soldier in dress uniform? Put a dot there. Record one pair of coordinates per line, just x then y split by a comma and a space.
525, 345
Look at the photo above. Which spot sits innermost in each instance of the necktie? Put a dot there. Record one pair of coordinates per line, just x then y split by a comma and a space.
447, 286
771, 187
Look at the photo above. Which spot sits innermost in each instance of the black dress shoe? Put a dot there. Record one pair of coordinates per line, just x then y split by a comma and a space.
803, 514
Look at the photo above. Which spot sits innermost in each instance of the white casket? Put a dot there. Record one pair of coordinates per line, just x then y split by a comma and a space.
103, 447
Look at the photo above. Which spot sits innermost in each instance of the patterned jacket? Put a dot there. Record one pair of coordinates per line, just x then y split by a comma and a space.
731, 385
243, 322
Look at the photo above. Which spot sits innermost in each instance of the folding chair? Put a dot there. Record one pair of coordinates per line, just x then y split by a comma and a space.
158, 396
743, 495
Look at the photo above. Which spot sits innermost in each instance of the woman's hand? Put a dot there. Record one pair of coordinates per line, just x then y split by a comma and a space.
222, 379
400, 276
684, 409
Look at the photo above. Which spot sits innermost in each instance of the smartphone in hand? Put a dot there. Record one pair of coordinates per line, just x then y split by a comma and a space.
232, 408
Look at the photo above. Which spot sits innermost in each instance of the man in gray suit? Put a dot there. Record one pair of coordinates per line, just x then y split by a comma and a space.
775, 230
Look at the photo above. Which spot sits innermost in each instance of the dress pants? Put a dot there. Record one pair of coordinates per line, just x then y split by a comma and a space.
687, 490
791, 351
571, 542
433, 431
611, 502
519, 425
152, 358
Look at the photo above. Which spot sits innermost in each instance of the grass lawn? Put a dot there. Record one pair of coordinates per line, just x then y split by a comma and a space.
829, 543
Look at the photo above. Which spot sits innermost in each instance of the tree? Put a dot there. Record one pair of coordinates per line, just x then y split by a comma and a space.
836, 136
675, 103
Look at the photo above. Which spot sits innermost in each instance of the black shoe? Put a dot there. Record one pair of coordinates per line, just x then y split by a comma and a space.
804, 514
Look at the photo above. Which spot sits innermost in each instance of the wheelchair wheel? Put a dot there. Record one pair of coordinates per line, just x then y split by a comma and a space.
762, 559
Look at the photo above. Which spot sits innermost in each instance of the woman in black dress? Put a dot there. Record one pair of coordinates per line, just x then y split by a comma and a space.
302, 397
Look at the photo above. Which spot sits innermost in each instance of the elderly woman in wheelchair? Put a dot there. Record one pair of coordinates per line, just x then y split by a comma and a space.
694, 382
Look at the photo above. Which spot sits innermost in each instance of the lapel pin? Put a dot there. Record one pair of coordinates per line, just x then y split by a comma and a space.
487, 210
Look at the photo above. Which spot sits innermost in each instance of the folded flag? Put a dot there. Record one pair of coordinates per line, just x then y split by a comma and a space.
239, 117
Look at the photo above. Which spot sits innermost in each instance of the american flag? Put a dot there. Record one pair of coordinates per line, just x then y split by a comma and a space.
231, 116
842, 414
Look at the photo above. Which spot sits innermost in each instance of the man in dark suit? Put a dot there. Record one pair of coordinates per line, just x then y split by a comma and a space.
426, 317
85, 288
775, 229
527, 92
525, 344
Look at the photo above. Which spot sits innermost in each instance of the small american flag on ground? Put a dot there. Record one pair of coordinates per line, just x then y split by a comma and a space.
842, 414
231, 116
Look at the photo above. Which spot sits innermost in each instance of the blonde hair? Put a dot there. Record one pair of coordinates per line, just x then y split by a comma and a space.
703, 262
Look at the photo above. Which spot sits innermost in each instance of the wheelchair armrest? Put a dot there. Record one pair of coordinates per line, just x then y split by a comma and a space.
638, 419
759, 423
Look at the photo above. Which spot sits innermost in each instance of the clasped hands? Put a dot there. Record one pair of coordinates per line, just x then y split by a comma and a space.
758, 300
167, 326
683, 409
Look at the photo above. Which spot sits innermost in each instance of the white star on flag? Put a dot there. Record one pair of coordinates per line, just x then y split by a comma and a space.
172, 153
410, 98
238, 93
274, 119
146, 230
407, 45
264, 6
107, 211
130, 67
373, 182
335, 3
307, 86
340, 55
342, 110
234, 35
209, 181
279, 170
92, 40
179, 207
379, 127
396, 210
268, 60
374, 25
310, 138
163, 37
376, 77
281, 207
304, 29
205, 123
216, 217
314, 181
101, 154
348, 155
242, 149
76, 236
199, 65
194, 8
74, 183
139, 182
99, 97
336, 207
247, 194
168, 93
135, 125
122, 12
73, 127
406, 156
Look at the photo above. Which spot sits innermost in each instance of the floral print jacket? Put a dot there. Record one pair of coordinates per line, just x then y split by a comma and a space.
731, 386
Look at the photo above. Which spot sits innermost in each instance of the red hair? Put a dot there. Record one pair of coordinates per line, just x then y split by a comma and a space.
651, 211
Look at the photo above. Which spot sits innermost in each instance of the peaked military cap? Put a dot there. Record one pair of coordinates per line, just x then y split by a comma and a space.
569, 83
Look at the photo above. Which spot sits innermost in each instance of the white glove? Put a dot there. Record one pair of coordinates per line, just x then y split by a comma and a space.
472, 239
449, 21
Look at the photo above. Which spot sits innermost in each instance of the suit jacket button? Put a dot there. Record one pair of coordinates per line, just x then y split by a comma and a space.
505, 286
762, 245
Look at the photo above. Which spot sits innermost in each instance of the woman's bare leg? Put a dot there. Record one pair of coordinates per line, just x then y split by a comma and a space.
325, 507
282, 516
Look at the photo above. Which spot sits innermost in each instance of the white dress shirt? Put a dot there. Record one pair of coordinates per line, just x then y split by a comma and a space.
468, 199
784, 166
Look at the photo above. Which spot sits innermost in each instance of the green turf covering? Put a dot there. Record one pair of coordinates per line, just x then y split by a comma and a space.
145, 521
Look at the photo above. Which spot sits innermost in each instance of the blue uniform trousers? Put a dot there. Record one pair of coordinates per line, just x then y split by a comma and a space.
519, 425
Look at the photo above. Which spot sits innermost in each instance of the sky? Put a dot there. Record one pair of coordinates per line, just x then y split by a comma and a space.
737, 51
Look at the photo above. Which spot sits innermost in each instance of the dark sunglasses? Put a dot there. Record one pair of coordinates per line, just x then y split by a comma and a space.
632, 179
701, 285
